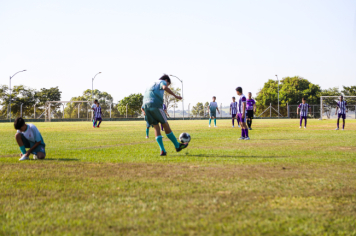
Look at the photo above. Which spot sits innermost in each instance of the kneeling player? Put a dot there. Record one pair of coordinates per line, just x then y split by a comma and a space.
28, 136
152, 103
341, 106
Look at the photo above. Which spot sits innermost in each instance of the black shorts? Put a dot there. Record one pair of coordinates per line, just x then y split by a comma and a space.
250, 114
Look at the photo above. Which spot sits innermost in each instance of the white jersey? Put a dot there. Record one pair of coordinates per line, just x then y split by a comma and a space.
213, 106
93, 106
242, 100
32, 134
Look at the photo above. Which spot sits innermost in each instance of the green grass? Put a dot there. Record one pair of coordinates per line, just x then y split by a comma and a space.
112, 181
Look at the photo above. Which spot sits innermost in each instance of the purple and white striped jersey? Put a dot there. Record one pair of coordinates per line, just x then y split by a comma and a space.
304, 108
233, 107
98, 112
241, 101
249, 104
342, 106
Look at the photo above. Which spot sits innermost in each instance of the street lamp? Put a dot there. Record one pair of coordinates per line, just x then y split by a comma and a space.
11, 91
278, 95
182, 92
92, 82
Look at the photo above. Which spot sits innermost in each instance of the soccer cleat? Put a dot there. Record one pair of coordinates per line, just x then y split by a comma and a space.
241, 138
35, 157
163, 153
209, 126
247, 138
23, 158
146, 136
233, 126
239, 126
250, 128
98, 126
182, 146
337, 129
305, 127
300, 127
93, 126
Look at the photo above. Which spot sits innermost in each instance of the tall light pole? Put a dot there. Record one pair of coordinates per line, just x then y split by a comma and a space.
92, 85
278, 95
182, 92
11, 91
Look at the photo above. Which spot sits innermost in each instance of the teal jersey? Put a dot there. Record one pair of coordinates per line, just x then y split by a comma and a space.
213, 106
154, 95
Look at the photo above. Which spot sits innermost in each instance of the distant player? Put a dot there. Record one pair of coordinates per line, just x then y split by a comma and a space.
93, 107
242, 114
341, 106
165, 112
304, 108
213, 106
233, 112
28, 136
251, 108
98, 115
153, 102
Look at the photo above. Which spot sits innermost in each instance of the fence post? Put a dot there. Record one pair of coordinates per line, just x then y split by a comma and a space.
321, 108
110, 110
220, 110
21, 109
189, 110
34, 111
126, 110
78, 110
287, 110
270, 110
49, 112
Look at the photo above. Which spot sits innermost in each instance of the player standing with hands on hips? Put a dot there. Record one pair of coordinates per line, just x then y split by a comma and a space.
154, 114
341, 106
242, 114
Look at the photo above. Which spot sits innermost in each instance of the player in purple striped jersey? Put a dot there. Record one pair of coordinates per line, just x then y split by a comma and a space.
233, 112
98, 114
242, 114
251, 108
342, 107
304, 108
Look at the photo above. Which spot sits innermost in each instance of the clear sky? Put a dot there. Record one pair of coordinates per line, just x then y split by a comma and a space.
213, 46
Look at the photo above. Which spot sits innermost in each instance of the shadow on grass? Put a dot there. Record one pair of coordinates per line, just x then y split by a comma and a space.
224, 156
61, 159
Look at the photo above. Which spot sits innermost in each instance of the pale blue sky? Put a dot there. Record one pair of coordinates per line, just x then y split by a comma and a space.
214, 46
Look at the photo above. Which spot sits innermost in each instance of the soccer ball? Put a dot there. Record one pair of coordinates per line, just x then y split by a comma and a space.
184, 137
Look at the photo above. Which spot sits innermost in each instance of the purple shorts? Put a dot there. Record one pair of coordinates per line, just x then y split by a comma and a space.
240, 118
96, 119
343, 116
303, 117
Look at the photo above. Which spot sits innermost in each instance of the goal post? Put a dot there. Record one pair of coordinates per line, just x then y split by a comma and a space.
49, 112
328, 105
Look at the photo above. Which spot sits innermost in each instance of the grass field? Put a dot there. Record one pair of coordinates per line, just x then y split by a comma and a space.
112, 181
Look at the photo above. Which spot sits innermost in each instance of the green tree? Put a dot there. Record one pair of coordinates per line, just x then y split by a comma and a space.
349, 91
134, 102
198, 109
47, 95
169, 100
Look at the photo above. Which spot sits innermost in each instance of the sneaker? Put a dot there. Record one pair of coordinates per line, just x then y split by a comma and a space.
242, 138
182, 146
93, 126
24, 157
163, 153
239, 126
250, 128
233, 126
337, 129
98, 126
305, 127
146, 136
209, 126
248, 138
342, 129
300, 127
34, 157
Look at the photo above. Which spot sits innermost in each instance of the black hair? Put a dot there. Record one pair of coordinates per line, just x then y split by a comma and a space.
239, 89
233, 97
166, 77
19, 122
304, 99
98, 103
96, 100
214, 97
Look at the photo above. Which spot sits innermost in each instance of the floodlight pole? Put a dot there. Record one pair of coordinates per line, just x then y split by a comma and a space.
182, 92
11, 91
278, 95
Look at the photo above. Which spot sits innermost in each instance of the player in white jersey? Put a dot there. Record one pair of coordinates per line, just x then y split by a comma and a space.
233, 112
342, 107
304, 108
213, 106
242, 114
93, 107
28, 136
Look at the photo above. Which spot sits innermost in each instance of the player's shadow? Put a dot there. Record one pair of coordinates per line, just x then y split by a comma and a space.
228, 156
61, 159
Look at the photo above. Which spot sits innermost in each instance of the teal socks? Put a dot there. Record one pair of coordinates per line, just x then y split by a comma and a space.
160, 143
173, 139
147, 131
215, 121
209, 121
23, 149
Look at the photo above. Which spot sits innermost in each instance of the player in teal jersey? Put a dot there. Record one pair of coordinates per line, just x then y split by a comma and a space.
152, 105
213, 106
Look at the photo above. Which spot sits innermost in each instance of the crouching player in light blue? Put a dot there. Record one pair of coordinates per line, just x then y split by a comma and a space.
154, 114
28, 136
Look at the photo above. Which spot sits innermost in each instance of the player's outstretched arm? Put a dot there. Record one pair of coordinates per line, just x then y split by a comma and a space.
168, 90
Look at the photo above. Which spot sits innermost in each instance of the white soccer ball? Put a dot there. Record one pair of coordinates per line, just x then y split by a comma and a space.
184, 137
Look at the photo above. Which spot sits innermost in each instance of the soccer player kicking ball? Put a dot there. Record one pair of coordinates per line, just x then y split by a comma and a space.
213, 106
251, 108
242, 114
28, 136
341, 106
152, 102
303, 107
233, 112
98, 114
93, 107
